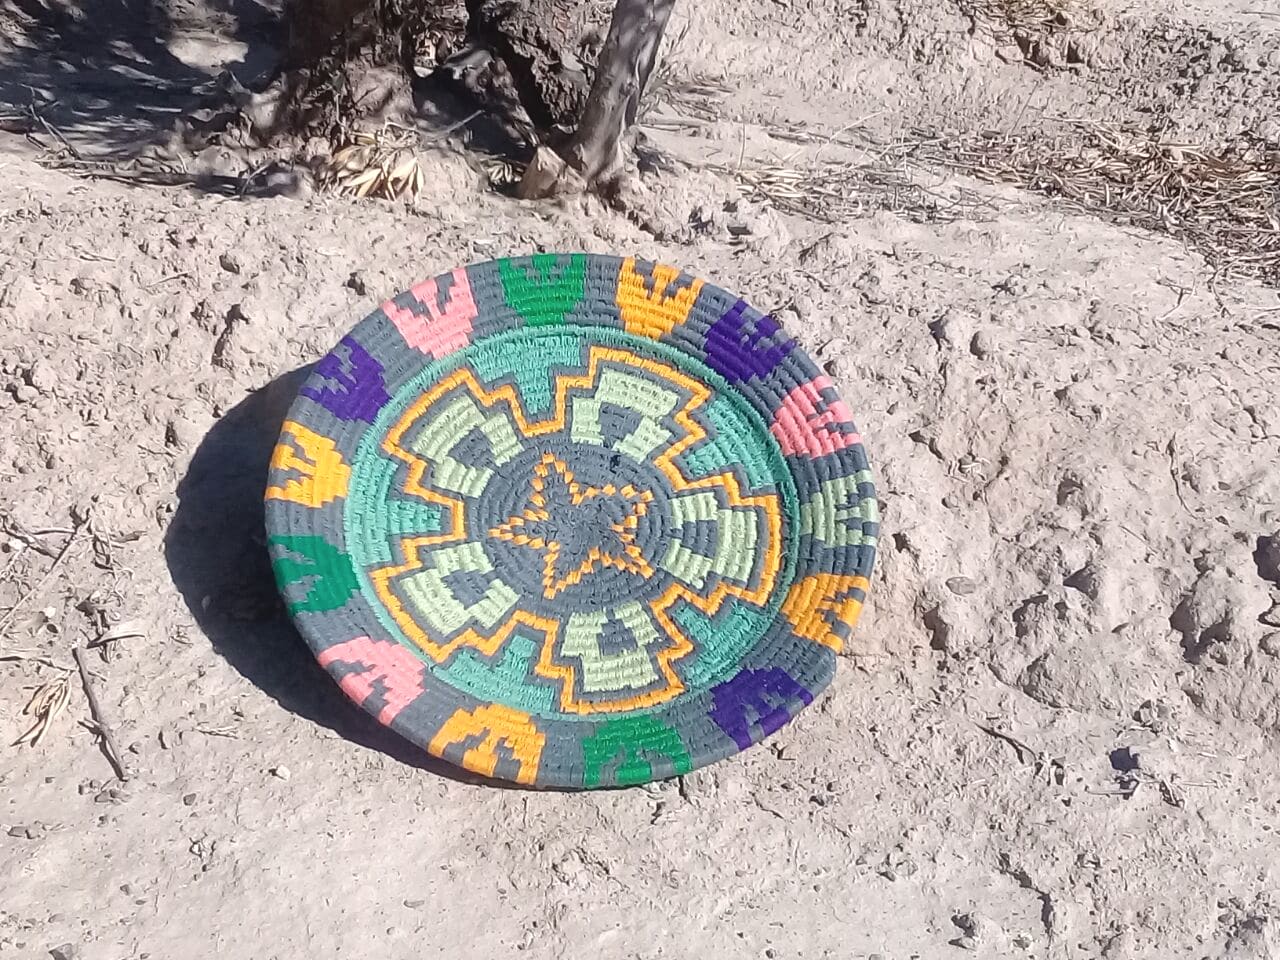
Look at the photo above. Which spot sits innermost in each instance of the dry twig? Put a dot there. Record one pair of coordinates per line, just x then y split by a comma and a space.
1007, 19
62, 554
111, 748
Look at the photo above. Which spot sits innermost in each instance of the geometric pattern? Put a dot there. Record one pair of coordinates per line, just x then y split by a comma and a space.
606, 649
572, 520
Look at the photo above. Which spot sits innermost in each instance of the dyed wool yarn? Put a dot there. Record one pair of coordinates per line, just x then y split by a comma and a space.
572, 521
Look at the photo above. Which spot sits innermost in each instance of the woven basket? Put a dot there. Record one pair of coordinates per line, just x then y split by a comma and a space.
572, 521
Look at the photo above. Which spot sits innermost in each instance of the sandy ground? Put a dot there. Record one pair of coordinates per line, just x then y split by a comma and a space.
1054, 737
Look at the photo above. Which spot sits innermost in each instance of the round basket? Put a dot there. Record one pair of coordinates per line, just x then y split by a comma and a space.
572, 520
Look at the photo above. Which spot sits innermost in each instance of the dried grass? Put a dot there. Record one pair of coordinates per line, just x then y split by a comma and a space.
1004, 18
46, 703
381, 163
834, 191
1224, 203
697, 95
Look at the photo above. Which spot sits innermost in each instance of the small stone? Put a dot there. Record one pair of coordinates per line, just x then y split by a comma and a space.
67, 951
25, 393
357, 283
230, 262
1270, 644
183, 433
281, 771
1272, 617
294, 184
982, 345
1086, 580
702, 216
414, 904
189, 800
906, 868
962, 586
974, 929
42, 376
22, 833
869, 285
1154, 715
1014, 285
126, 889
804, 308
833, 347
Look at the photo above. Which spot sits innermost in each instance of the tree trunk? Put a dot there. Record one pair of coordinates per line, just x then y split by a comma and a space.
627, 61
541, 43
333, 44
339, 51
344, 61
319, 28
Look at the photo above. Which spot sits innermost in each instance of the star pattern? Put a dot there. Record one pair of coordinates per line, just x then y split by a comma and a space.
693, 545
577, 528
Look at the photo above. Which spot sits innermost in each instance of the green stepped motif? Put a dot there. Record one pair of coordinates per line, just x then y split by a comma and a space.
325, 569
544, 289
637, 740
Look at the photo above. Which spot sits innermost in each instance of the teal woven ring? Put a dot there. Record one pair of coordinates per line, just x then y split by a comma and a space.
572, 521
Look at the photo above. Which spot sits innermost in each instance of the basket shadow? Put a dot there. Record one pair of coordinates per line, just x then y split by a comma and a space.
216, 552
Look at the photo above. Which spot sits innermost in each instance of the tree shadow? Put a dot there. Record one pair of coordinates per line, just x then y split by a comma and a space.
104, 74
487, 121
216, 552
108, 78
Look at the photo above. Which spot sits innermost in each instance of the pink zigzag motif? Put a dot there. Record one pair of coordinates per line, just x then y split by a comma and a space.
398, 670
813, 421
440, 332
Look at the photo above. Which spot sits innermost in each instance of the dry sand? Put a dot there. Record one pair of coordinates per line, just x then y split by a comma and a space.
1055, 736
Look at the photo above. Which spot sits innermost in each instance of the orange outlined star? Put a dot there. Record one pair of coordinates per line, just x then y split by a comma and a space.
416, 549
535, 527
